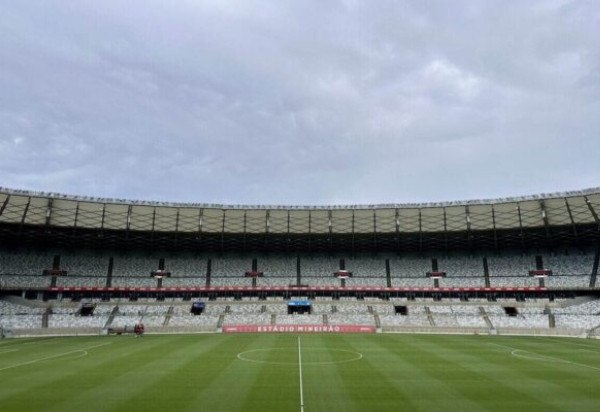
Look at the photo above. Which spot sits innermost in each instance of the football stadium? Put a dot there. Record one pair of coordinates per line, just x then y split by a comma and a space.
307, 206
111, 304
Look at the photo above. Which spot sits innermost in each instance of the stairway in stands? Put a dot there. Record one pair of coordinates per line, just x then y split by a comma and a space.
377, 321
168, 316
486, 272
220, 321
111, 317
595, 269
46, 317
486, 318
429, 316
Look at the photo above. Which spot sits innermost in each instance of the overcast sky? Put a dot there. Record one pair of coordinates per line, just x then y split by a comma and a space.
300, 102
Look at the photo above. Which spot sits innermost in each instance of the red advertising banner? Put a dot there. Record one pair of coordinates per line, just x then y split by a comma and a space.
298, 329
284, 288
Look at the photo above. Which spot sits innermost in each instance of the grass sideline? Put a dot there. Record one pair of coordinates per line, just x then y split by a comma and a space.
260, 372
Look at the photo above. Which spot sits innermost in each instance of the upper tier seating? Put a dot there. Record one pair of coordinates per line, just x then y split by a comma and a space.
283, 266
319, 266
24, 270
230, 266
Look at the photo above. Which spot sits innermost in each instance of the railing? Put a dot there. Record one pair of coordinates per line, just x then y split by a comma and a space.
540, 196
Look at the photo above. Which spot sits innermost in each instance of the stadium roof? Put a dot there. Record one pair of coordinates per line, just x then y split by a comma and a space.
568, 214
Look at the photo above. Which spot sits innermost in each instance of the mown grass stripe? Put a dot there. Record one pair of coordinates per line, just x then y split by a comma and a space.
421, 376
385, 393
273, 383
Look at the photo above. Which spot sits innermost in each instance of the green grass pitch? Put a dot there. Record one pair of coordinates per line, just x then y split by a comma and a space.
270, 372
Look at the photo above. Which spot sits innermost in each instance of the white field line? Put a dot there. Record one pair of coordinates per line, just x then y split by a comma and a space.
84, 350
242, 356
515, 352
300, 371
8, 350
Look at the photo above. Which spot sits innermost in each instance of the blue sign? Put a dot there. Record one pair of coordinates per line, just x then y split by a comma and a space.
299, 303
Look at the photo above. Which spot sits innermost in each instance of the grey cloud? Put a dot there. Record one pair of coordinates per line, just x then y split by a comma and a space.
300, 102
